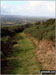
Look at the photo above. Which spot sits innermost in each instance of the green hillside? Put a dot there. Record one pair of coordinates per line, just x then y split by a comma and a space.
45, 30
18, 51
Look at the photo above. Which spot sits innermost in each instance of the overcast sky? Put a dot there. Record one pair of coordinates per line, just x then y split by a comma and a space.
28, 8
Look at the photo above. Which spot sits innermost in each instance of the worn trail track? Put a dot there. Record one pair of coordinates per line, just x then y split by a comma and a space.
45, 53
26, 59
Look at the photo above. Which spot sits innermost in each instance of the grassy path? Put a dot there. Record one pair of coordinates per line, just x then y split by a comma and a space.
24, 57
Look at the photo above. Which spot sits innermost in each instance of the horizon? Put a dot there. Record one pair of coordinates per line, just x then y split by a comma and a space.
47, 17
28, 8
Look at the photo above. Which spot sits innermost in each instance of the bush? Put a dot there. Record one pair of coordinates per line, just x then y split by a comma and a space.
45, 30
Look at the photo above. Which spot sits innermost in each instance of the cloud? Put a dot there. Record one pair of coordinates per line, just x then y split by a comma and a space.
25, 8
51, 6
34, 3
29, 8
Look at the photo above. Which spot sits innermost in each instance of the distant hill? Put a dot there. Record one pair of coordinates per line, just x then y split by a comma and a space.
13, 19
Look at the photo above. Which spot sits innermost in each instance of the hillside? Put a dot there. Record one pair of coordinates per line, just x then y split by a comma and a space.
43, 36
28, 48
44, 30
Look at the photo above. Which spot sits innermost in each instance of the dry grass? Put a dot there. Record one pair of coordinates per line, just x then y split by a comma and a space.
16, 45
45, 53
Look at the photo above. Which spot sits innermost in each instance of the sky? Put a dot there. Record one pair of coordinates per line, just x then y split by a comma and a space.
28, 8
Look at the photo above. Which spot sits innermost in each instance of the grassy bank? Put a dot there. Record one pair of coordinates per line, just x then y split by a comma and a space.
23, 59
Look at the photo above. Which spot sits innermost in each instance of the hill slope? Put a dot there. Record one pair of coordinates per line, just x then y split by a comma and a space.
43, 35
46, 30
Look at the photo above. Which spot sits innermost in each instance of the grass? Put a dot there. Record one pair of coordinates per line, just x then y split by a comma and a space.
19, 51
24, 59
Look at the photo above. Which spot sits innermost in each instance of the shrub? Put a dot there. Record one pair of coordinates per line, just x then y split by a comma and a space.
45, 30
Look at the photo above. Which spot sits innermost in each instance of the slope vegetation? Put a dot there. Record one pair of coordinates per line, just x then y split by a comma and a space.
43, 35
45, 30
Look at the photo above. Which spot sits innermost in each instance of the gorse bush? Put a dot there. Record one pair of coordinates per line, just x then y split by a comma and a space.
46, 30
12, 30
